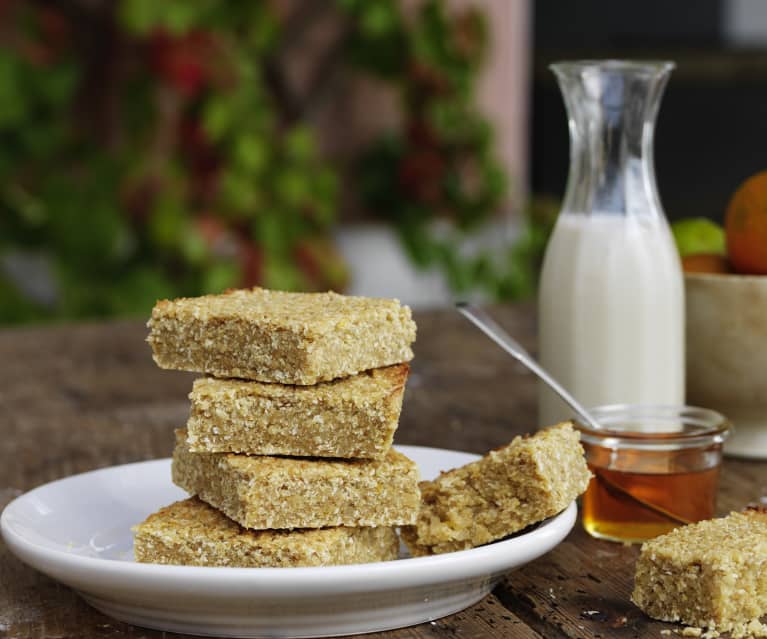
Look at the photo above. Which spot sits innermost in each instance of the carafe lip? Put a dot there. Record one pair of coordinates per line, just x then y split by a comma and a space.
651, 67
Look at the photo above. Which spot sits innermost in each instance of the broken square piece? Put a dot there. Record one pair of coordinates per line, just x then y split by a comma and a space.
510, 488
712, 574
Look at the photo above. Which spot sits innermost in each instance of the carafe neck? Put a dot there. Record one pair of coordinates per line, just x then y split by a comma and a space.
611, 108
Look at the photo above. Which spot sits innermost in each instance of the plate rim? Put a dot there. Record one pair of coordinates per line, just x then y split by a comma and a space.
463, 564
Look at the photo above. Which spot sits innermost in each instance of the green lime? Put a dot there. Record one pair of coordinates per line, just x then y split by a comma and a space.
698, 235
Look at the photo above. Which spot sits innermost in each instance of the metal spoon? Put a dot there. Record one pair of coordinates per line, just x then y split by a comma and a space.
489, 327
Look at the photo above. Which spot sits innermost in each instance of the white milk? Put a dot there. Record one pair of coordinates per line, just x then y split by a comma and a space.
611, 312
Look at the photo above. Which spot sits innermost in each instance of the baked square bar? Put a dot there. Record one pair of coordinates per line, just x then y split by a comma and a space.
292, 492
507, 490
712, 574
351, 417
191, 533
272, 336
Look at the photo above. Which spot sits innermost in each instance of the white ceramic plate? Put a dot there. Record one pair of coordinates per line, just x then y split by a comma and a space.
77, 530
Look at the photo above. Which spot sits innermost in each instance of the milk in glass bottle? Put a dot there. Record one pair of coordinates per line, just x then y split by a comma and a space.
611, 306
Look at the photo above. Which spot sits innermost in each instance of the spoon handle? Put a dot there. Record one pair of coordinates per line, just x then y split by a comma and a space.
489, 327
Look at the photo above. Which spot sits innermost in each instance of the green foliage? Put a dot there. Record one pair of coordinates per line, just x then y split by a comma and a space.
176, 16
378, 43
185, 178
441, 163
174, 157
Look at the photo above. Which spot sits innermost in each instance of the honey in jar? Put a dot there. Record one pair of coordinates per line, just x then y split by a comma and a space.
655, 468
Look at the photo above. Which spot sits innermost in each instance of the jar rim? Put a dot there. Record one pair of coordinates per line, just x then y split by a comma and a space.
707, 426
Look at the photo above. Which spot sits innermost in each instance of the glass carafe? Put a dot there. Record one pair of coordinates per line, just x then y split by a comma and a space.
611, 306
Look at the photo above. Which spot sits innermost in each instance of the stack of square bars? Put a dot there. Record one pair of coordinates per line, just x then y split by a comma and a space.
287, 450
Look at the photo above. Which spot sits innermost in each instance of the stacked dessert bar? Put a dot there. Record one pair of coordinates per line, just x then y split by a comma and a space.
287, 449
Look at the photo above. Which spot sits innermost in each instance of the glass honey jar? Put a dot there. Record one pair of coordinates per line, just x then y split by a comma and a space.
655, 468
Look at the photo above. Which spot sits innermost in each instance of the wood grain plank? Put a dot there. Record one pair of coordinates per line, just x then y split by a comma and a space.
582, 588
487, 619
74, 398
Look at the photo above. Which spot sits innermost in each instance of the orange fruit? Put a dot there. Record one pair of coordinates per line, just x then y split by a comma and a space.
745, 226
705, 263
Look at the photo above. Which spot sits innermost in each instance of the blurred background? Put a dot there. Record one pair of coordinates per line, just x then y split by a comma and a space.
408, 148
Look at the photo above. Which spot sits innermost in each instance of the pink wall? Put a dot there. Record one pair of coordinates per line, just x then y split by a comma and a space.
504, 91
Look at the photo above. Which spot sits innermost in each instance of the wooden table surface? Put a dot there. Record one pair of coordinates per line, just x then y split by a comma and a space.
75, 398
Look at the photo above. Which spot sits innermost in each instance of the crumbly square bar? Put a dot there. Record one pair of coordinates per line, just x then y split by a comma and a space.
711, 574
350, 417
507, 490
192, 533
292, 492
273, 336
